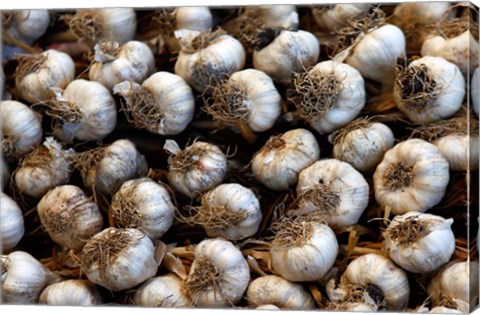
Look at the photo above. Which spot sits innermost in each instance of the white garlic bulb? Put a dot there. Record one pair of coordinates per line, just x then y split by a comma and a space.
85, 111
163, 104
278, 163
115, 63
474, 87
219, 275
357, 299
21, 129
333, 18
362, 143
274, 16
282, 293
267, 307
334, 190
46, 167
119, 259
460, 149
11, 223
207, 56
428, 89
413, 176
26, 25
162, 291
71, 292
145, 205
287, 52
329, 95
419, 242
36, 74
196, 169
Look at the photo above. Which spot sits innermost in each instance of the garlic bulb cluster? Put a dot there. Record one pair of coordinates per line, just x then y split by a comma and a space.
11, 223
332, 18
474, 86
333, 190
196, 169
329, 95
162, 291
428, 89
163, 104
362, 143
413, 176
26, 25
219, 275
277, 291
71, 292
115, 63
278, 163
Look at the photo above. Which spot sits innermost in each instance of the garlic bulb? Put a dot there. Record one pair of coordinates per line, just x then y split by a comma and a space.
334, 190
282, 293
145, 205
420, 242
36, 74
329, 95
23, 278
357, 299
11, 223
428, 89
287, 52
114, 63
333, 18
474, 86
85, 111
267, 307
274, 16
163, 104
46, 167
219, 275
118, 259
207, 56
26, 25
162, 291
413, 176
278, 163
362, 143
21, 129
71, 292
196, 169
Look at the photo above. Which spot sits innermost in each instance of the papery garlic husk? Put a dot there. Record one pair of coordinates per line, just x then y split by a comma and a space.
218, 276
119, 259
474, 87
37, 73
26, 25
277, 291
333, 190
419, 242
334, 17
287, 52
46, 167
69, 216
145, 205
278, 163
21, 129
196, 169
163, 104
428, 89
162, 291
362, 143
12, 226
329, 95
71, 292
267, 307
357, 299
84, 111
413, 176
207, 56
23, 278
115, 63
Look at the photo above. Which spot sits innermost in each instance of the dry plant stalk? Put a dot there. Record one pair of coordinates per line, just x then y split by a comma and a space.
398, 176
86, 25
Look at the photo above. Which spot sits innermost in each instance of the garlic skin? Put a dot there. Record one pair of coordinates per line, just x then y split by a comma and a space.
436, 99
21, 129
145, 205
362, 144
461, 151
12, 225
227, 275
413, 176
71, 292
119, 259
474, 86
267, 307
27, 25
336, 17
277, 291
114, 63
334, 190
51, 68
162, 291
419, 242
278, 163
193, 18
275, 16
290, 51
